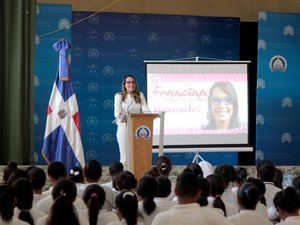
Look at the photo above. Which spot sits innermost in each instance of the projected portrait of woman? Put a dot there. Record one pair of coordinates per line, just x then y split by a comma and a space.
222, 107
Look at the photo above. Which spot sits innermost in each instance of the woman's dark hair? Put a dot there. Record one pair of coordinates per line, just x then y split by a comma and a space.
65, 187
6, 202
37, 178
278, 178
24, 197
261, 187
94, 199
227, 88
127, 204
93, 171
228, 173
164, 165
241, 174
126, 180
163, 187
217, 187
196, 169
115, 168
287, 200
147, 189
16, 174
205, 191
76, 174
136, 93
10, 167
57, 170
248, 195
265, 171
62, 212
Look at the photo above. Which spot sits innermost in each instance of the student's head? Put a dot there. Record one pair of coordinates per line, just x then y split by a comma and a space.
76, 174
164, 165
278, 178
248, 196
287, 202
196, 169
153, 172
37, 178
265, 171
55, 171
261, 187
222, 107
65, 187
147, 190
10, 167
163, 187
187, 188
126, 180
92, 171
127, 206
241, 175
24, 197
16, 174
7, 199
227, 172
296, 184
115, 168
94, 199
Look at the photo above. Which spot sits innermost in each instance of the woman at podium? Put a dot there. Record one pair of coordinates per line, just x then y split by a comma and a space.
130, 99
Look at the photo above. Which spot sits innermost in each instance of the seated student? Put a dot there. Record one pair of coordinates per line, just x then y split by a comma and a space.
147, 190
188, 211
126, 181
153, 172
287, 204
56, 171
8, 169
115, 168
92, 173
248, 195
217, 187
265, 172
261, 205
7, 201
278, 178
62, 210
126, 208
229, 175
94, 198
241, 177
16, 174
163, 191
24, 199
76, 175
37, 178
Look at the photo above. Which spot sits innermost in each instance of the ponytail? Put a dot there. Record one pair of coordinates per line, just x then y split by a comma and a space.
26, 216
219, 204
93, 209
127, 204
149, 205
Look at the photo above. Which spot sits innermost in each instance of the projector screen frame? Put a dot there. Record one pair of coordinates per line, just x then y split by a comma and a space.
207, 147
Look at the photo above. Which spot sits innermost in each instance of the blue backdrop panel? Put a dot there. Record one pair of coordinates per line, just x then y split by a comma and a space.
109, 45
278, 134
49, 17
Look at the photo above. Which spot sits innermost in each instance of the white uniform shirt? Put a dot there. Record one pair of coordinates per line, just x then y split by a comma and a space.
164, 203
129, 105
291, 220
35, 213
104, 217
14, 221
230, 208
249, 217
144, 216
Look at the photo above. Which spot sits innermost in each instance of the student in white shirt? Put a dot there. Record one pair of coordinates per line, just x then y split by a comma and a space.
76, 175
37, 178
115, 168
94, 198
217, 187
147, 190
248, 195
287, 205
7, 201
62, 210
126, 181
163, 191
92, 174
126, 208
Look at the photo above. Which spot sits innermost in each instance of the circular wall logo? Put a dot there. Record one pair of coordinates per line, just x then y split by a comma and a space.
278, 62
64, 24
142, 132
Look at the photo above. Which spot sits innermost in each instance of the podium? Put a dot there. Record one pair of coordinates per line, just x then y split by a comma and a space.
139, 142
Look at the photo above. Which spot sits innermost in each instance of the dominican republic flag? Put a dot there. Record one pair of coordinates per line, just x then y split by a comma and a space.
62, 141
